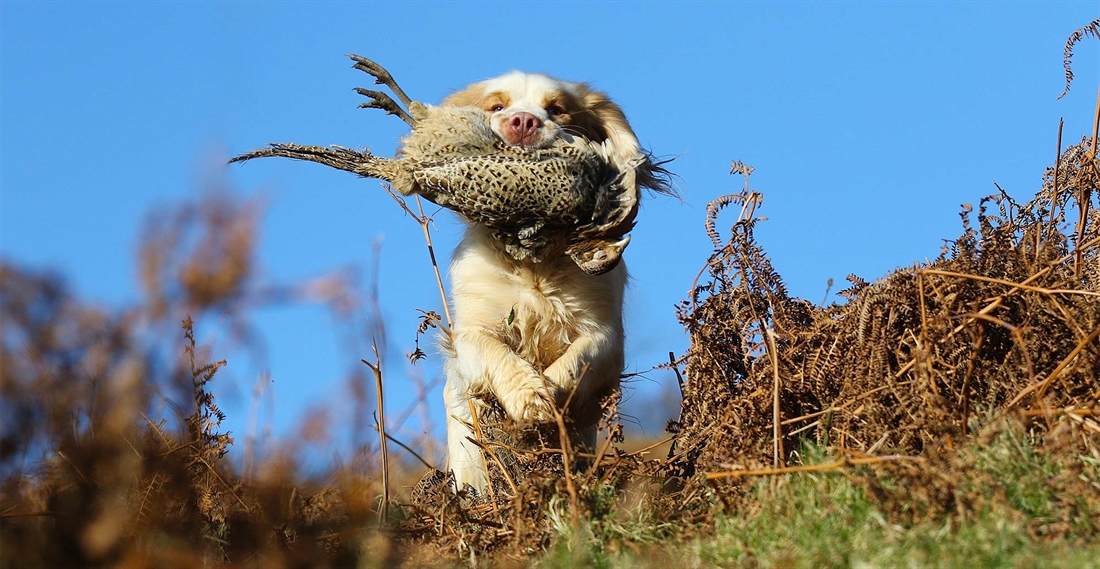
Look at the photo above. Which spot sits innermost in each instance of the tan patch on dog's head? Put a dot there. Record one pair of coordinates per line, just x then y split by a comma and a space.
495, 101
468, 97
476, 95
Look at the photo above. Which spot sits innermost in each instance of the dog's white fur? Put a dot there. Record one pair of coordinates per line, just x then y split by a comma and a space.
532, 333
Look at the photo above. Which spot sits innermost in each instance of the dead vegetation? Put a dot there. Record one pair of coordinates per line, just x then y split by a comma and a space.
1005, 319
923, 388
911, 369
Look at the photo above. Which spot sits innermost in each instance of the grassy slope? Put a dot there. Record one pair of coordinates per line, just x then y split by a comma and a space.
826, 519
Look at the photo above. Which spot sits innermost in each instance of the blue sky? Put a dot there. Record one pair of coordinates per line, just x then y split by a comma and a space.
869, 123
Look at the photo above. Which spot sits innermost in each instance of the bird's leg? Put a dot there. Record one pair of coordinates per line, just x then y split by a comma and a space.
381, 76
381, 100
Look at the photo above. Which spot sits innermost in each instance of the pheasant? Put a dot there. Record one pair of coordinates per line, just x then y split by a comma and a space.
538, 202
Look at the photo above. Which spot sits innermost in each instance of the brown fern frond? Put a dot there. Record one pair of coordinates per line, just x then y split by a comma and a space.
747, 198
713, 208
1092, 29
739, 167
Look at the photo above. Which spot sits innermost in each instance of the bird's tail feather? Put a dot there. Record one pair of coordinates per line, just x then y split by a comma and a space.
362, 163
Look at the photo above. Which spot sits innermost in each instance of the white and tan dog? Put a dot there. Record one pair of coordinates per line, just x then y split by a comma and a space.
524, 332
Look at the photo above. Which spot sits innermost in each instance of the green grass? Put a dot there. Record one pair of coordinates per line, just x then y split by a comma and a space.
825, 519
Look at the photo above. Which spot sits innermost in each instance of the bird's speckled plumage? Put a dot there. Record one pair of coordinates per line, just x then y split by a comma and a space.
538, 202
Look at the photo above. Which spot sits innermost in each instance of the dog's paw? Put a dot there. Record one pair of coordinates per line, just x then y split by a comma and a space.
529, 405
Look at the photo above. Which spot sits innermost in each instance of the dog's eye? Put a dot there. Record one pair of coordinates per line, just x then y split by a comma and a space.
555, 111
496, 108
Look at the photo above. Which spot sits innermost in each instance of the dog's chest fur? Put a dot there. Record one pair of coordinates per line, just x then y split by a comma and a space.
545, 318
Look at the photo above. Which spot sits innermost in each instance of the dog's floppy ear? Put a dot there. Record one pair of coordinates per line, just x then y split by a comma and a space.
606, 119
612, 124
468, 97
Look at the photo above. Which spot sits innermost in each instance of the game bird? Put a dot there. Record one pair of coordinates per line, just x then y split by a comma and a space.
564, 198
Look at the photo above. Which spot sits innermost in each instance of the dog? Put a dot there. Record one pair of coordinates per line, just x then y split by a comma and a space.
534, 335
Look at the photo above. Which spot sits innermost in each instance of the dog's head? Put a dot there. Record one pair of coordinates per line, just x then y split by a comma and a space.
533, 110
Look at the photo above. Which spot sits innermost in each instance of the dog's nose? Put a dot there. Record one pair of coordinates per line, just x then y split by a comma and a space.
523, 127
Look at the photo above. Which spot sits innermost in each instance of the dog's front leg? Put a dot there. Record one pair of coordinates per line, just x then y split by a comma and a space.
588, 368
520, 388
464, 458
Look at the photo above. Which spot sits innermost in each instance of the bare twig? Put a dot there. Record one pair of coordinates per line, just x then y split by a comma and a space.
1053, 194
1043, 385
778, 456
998, 300
1009, 283
496, 459
409, 450
425, 225
6, 515
810, 468
650, 447
484, 463
376, 367
601, 452
1067, 411
563, 438
1084, 199
805, 428
1062, 366
909, 365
